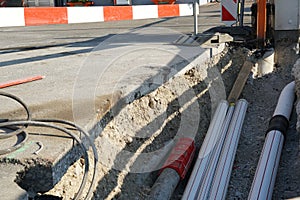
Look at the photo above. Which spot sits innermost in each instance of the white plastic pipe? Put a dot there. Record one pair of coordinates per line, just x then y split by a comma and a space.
265, 175
224, 168
265, 65
207, 182
286, 100
205, 154
264, 179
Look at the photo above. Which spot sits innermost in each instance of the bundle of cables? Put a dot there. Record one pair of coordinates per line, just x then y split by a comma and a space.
18, 127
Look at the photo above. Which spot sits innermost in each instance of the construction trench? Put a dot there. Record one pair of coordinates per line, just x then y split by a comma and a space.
136, 139
160, 113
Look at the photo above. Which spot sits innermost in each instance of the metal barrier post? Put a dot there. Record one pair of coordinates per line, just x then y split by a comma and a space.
195, 13
241, 12
261, 22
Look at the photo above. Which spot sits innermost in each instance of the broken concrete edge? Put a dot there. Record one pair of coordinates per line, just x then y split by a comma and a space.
95, 128
49, 174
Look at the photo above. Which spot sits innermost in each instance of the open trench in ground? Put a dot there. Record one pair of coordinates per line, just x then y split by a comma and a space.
133, 145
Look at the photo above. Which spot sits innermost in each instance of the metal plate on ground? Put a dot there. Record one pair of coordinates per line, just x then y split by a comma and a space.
203, 40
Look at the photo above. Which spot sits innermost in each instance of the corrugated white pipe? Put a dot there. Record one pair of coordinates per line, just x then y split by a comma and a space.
205, 154
265, 175
206, 184
224, 168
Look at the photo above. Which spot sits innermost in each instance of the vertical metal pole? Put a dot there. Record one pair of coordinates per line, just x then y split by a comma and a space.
242, 12
195, 12
261, 22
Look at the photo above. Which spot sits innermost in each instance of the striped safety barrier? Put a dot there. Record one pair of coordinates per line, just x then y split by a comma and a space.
32, 16
229, 11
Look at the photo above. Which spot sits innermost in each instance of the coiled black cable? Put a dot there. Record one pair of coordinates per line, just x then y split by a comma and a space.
14, 130
50, 123
19, 130
19, 144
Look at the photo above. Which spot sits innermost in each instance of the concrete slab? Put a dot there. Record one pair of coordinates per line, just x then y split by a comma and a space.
120, 69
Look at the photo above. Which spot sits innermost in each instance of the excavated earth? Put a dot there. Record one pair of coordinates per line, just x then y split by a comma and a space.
134, 142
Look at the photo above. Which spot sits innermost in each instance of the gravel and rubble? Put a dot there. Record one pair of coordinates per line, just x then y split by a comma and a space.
296, 74
262, 95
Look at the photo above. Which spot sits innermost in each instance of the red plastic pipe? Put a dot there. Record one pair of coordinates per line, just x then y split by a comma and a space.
20, 81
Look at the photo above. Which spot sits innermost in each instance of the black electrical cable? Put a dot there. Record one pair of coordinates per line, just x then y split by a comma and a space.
80, 129
15, 131
20, 130
19, 144
48, 123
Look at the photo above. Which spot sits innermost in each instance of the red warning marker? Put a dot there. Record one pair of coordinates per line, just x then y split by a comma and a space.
20, 81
